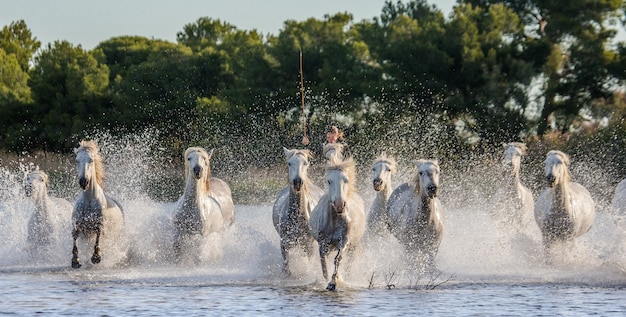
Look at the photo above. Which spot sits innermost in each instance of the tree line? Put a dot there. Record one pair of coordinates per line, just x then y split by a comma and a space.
492, 71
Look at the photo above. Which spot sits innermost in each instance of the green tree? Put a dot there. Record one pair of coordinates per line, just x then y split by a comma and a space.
575, 36
470, 68
245, 60
17, 39
163, 91
336, 61
13, 80
68, 86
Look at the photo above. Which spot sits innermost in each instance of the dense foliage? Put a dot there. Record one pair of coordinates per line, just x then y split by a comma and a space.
493, 71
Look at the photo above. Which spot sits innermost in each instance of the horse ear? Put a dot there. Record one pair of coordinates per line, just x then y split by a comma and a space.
524, 148
505, 145
418, 163
210, 153
287, 152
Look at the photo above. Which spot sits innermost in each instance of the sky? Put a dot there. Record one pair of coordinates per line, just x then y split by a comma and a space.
89, 22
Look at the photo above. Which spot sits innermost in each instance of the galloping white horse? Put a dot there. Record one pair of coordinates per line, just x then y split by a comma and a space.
383, 168
293, 207
95, 214
50, 216
206, 205
513, 202
415, 214
565, 210
338, 220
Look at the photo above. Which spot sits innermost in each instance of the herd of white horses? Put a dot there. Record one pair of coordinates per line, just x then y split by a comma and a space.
307, 217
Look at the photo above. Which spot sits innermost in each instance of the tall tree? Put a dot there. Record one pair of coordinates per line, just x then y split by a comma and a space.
245, 60
68, 86
17, 39
575, 72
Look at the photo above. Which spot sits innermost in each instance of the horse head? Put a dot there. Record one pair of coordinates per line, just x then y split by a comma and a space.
89, 164
427, 179
513, 154
298, 162
36, 183
333, 151
341, 177
557, 168
197, 164
383, 168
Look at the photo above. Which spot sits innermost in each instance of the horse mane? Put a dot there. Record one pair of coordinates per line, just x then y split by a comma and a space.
338, 147
291, 153
46, 178
416, 179
520, 145
203, 152
348, 166
93, 148
567, 177
386, 159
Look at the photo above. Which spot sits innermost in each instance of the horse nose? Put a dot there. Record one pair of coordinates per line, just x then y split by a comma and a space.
339, 205
378, 184
551, 179
432, 190
29, 190
82, 182
197, 170
297, 183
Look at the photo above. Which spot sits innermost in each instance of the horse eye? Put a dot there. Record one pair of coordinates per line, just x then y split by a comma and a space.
388, 170
289, 163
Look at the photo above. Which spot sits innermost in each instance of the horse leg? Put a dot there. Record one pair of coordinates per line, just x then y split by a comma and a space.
97, 256
75, 259
285, 254
341, 247
332, 285
323, 252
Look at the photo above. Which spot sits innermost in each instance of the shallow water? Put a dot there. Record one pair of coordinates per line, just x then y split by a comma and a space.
483, 272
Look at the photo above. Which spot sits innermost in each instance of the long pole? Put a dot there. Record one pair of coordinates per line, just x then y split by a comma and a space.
305, 140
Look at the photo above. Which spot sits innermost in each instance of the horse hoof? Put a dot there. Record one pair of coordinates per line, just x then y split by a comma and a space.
331, 287
76, 265
95, 259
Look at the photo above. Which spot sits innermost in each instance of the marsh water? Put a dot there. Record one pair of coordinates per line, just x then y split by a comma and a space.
481, 274
483, 268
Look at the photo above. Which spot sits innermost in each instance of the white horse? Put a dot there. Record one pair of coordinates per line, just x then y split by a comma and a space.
95, 214
383, 168
565, 210
50, 215
338, 220
415, 214
293, 207
206, 205
513, 202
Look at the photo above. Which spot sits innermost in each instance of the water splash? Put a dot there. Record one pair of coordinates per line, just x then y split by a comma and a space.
474, 248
